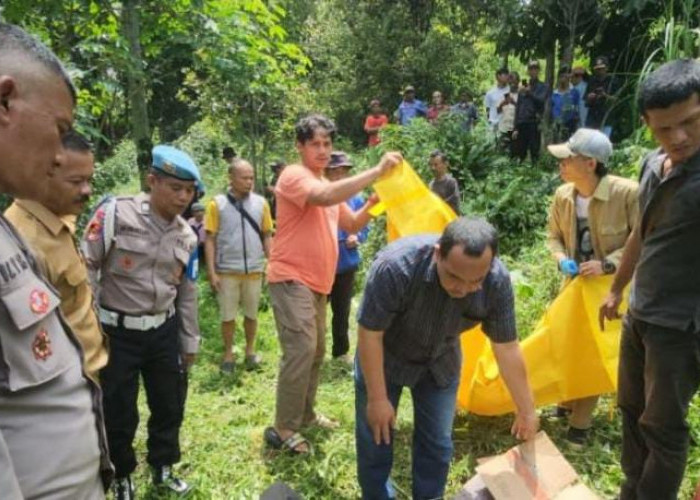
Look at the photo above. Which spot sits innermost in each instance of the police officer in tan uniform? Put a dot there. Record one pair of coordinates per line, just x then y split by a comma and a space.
52, 442
140, 254
48, 226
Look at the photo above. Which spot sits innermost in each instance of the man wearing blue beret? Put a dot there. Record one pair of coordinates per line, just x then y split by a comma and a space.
139, 252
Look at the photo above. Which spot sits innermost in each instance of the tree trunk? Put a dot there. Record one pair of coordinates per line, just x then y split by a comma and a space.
546, 135
567, 56
136, 87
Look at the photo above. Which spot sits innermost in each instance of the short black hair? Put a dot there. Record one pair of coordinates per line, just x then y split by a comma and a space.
564, 70
671, 83
15, 39
75, 141
502, 71
307, 127
228, 153
438, 154
474, 234
600, 169
276, 165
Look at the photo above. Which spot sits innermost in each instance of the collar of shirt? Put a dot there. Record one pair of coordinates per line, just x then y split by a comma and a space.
431, 275
691, 164
51, 221
143, 205
601, 192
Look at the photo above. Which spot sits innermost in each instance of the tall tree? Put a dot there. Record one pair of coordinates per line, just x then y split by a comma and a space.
136, 86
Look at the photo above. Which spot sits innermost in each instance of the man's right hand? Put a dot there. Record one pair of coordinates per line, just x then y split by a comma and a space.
381, 418
609, 309
568, 267
214, 282
389, 161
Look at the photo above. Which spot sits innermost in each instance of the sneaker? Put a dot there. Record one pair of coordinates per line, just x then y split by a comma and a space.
252, 362
123, 489
346, 359
576, 438
557, 412
163, 478
226, 367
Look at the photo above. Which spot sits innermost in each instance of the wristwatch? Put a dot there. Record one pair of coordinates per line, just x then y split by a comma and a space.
608, 267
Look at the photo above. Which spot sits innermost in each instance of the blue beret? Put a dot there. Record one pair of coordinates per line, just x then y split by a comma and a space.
176, 163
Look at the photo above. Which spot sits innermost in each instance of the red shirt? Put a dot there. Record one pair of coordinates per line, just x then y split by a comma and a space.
373, 122
434, 111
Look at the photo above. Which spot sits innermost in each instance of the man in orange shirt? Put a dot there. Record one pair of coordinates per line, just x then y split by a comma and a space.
301, 269
375, 121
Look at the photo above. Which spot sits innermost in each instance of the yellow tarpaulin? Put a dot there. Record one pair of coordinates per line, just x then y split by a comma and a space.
411, 207
567, 356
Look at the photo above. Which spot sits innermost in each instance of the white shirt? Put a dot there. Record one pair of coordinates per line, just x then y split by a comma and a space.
582, 206
493, 98
507, 122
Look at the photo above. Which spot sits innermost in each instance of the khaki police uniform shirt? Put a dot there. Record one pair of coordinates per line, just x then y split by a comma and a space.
51, 239
52, 441
144, 271
612, 214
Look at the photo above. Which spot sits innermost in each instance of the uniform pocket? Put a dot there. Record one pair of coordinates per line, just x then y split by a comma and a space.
131, 253
36, 348
177, 268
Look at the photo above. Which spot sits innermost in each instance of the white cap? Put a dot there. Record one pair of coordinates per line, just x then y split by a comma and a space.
585, 142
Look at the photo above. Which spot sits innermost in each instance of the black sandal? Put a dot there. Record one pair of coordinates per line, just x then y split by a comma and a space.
274, 440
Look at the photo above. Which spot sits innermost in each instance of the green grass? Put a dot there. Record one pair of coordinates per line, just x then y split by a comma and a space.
224, 457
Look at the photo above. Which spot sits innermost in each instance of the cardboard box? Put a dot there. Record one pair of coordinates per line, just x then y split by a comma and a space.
534, 470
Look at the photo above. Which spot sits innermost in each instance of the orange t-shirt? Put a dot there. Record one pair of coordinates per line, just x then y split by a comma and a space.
372, 122
305, 246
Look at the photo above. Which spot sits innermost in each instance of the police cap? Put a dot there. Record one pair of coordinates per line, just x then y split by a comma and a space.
175, 163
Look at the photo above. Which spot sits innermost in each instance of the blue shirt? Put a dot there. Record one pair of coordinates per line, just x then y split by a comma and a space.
409, 110
421, 322
349, 258
565, 105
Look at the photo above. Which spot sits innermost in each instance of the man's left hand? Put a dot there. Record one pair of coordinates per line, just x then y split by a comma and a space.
591, 268
351, 241
189, 359
525, 425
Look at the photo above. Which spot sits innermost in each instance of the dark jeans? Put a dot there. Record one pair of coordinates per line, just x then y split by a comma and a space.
155, 355
659, 373
528, 140
341, 300
433, 415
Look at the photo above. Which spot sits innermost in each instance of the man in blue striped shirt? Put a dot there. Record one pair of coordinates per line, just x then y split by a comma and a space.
422, 292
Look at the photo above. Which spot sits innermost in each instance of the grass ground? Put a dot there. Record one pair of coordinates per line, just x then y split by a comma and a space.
222, 438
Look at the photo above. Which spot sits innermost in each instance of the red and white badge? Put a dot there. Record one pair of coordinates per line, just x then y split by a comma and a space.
38, 301
126, 263
41, 347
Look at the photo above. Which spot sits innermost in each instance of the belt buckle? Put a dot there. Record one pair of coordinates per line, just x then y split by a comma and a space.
144, 323
151, 322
